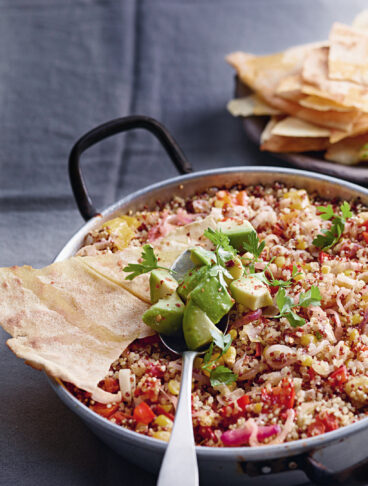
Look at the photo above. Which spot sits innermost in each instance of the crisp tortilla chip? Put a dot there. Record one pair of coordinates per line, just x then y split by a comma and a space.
315, 74
295, 127
276, 143
267, 131
323, 104
250, 105
263, 75
348, 151
361, 21
69, 321
348, 55
290, 87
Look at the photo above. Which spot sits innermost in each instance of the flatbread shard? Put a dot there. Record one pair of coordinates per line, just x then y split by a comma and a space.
69, 321
348, 54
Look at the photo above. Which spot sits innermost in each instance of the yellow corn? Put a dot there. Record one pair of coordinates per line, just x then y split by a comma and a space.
197, 363
257, 407
230, 355
300, 277
163, 421
233, 333
307, 267
301, 244
307, 361
365, 298
219, 204
280, 261
325, 269
349, 273
162, 435
353, 335
307, 339
173, 387
356, 318
167, 407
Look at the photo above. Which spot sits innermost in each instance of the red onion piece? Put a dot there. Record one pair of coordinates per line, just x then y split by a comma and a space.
238, 437
250, 317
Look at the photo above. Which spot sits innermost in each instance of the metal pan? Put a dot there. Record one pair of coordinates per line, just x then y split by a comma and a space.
338, 457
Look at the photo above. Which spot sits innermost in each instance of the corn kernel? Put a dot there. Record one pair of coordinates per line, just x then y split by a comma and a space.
325, 269
167, 407
230, 355
307, 339
257, 407
219, 204
356, 318
233, 333
163, 421
349, 273
301, 244
300, 277
307, 267
280, 261
174, 387
353, 335
197, 363
365, 298
307, 361
162, 435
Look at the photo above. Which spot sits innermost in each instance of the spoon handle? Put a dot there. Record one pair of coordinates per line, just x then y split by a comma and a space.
179, 466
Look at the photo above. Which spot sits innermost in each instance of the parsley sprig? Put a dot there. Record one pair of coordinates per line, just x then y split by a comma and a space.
224, 252
221, 375
252, 245
149, 263
330, 237
285, 304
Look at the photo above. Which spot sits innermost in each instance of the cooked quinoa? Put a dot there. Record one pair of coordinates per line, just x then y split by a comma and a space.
302, 381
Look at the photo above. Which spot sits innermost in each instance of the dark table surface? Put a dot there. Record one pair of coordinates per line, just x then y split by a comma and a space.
66, 66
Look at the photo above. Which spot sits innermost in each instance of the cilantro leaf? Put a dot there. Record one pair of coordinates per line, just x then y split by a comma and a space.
219, 239
294, 319
222, 376
284, 302
345, 209
312, 297
149, 263
252, 244
327, 212
330, 237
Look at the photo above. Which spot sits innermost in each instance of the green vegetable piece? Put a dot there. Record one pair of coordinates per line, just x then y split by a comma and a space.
235, 267
200, 256
191, 280
162, 284
166, 316
213, 298
222, 376
237, 232
197, 327
251, 292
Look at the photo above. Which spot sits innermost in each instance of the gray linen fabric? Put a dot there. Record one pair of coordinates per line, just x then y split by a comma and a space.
66, 66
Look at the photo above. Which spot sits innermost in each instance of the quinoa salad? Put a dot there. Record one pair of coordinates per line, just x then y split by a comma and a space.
291, 381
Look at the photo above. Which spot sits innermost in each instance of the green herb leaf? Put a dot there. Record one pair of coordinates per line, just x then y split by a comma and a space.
149, 263
345, 209
222, 376
294, 319
330, 237
207, 356
219, 239
253, 245
327, 212
284, 302
311, 297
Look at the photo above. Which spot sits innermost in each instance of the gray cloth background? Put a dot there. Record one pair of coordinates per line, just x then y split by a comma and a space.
66, 66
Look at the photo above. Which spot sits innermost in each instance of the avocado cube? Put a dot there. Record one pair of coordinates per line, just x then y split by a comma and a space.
236, 231
162, 284
166, 316
213, 298
191, 280
235, 267
251, 292
200, 256
197, 327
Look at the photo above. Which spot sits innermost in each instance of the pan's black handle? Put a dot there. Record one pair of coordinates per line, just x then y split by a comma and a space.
106, 130
356, 475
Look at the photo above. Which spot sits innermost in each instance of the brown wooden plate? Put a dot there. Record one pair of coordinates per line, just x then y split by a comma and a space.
253, 127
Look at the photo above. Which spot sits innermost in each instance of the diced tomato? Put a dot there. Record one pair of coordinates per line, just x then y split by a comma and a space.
325, 422
281, 396
365, 236
322, 257
243, 402
104, 410
330, 421
338, 377
143, 413
258, 350
119, 417
111, 385
241, 198
316, 428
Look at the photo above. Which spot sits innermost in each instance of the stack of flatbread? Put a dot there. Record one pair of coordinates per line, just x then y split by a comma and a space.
315, 94
74, 318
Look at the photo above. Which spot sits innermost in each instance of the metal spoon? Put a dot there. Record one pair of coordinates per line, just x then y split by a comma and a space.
179, 466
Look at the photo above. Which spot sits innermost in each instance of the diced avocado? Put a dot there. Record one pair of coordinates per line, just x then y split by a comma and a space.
251, 292
166, 316
191, 280
236, 231
235, 267
200, 256
162, 284
197, 327
213, 298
